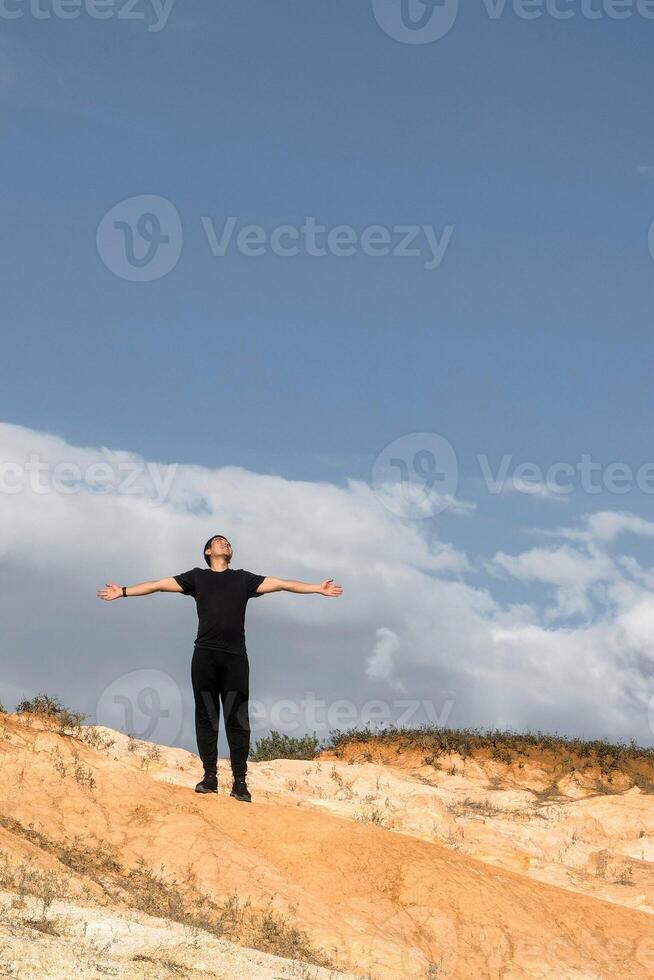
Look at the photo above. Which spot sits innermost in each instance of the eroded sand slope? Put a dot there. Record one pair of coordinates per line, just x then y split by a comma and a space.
393, 870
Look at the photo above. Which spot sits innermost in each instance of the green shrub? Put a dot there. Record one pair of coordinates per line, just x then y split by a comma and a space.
278, 746
568, 753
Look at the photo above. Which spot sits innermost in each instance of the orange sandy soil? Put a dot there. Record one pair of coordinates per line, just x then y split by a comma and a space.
394, 868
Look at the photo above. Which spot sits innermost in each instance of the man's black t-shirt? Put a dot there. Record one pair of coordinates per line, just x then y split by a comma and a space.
221, 598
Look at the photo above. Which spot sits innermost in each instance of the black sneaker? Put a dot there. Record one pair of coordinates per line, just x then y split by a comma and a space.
209, 784
240, 791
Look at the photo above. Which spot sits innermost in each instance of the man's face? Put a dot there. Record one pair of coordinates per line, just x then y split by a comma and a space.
220, 546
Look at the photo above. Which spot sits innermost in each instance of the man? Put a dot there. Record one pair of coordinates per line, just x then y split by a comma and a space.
220, 669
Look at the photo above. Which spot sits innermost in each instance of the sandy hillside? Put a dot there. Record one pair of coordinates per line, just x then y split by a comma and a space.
371, 863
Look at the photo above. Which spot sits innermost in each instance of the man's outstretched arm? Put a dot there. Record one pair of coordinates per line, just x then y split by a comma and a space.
306, 588
112, 591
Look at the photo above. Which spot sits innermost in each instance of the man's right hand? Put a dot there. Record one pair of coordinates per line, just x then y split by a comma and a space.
110, 591
113, 591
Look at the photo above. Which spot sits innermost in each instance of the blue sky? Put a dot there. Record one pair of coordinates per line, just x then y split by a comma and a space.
531, 140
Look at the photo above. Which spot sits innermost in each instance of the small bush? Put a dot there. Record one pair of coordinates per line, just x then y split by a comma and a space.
41, 704
152, 754
43, 925
626, 876
51, 710
278, 746
270, 931
96, 739
500, 754
44, 886
483, 807
84, 775
373, 814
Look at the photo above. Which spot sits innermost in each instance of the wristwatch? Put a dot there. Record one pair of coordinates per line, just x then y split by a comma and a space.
125, 591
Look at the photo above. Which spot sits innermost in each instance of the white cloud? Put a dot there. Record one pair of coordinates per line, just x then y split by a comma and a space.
381, 664
572, 572
536, 488
511, 661
645, 171
555, 566
417, 503
607, 526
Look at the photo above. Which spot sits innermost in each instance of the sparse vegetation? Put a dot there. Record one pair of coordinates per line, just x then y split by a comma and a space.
344, 785
155, 895
269, 931
561, 754
626, 876
232, 919
173, 968
58, 763
53, 713
140, 887
501, 754
604, 870
279, 746
644, 784
43, 925
453, 840
44, 886
95, 738
373, 814
151, 754
83, 775
548, 793
482, 808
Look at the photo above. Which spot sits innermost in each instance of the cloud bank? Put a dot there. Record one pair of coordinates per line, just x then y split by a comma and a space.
416, 628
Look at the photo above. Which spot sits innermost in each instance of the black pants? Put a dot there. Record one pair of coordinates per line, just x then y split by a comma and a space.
222, 677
